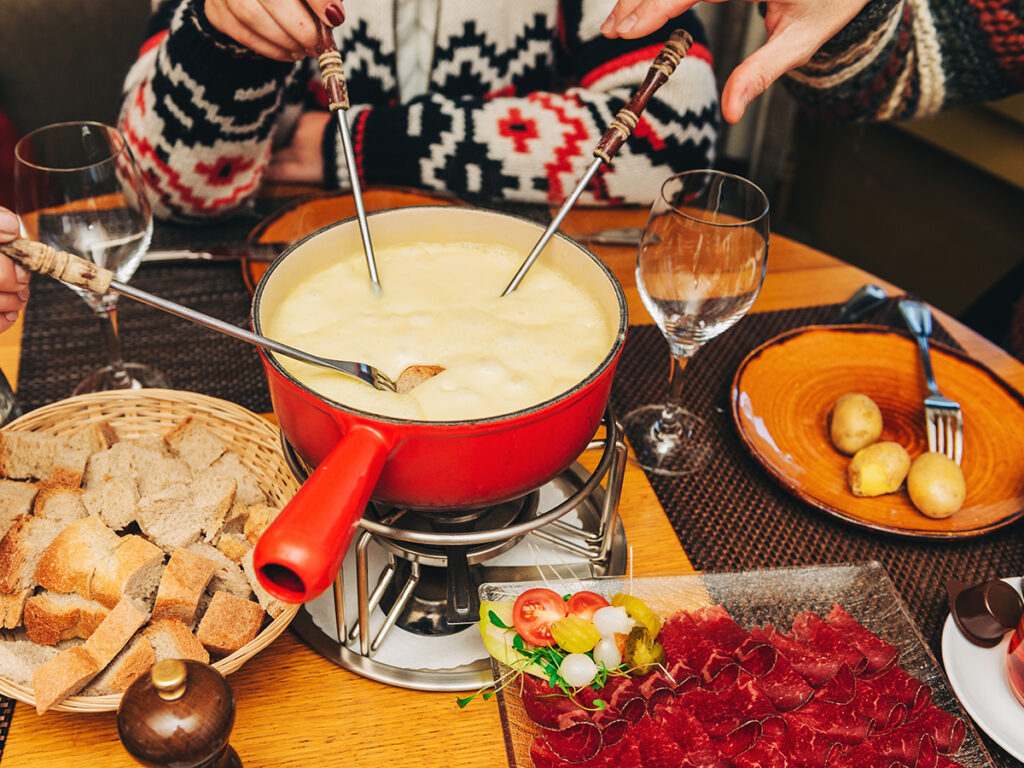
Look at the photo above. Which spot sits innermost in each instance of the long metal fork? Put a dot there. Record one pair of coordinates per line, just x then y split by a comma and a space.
944, 420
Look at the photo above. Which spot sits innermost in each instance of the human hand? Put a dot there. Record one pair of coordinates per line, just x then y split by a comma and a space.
302, 160
278, 29
796, 30
13, 277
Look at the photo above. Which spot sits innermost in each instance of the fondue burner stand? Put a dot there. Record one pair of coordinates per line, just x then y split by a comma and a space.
407, 590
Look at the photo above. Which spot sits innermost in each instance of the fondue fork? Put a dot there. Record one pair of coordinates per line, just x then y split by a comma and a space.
79, 272
333, 76
622, 126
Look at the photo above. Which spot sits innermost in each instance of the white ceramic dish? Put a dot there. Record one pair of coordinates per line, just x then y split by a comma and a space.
978, 677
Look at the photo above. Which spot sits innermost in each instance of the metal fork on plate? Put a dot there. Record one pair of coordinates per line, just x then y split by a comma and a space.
944, 420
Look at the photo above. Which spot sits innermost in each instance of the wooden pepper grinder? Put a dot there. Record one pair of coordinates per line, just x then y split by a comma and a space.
180, 714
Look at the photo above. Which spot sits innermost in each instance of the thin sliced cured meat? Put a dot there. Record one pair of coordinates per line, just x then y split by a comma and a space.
764, 754
577, 743
687, 731
722, 711
808, 747
863, 756
720, 628
739, 739
837, 722
908, 745
948, 731
658, 748
774, 674
896, 682
813, 666
682, 639
613, 731
879, 654
550, 708
622, 696
813, 631
841, 688
625, 754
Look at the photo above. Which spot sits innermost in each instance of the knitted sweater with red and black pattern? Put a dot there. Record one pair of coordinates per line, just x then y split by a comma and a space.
902, 59
203, 114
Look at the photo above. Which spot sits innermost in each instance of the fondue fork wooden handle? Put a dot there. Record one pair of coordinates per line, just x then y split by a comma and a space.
622, 126
625, 121
333, 74
82, 273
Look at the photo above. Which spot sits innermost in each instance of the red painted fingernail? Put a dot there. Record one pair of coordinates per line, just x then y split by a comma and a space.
335, 15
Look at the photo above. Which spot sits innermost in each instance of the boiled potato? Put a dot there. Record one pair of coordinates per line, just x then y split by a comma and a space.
879, 468
936, 485
856, 423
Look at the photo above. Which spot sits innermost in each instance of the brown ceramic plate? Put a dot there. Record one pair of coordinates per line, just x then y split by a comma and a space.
783, 392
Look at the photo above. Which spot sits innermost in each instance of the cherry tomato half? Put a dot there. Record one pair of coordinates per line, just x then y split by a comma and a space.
533, 613
585, 604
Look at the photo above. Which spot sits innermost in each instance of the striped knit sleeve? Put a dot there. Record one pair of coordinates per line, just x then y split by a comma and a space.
534, 146
200, 113
903, 59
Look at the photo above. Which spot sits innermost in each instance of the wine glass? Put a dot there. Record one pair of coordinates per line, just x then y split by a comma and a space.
78, 189
699, 268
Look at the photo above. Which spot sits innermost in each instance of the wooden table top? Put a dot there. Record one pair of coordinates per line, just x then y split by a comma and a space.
297, 709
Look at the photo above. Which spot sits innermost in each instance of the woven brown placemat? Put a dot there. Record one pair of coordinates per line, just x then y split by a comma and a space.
61, 343
733, 516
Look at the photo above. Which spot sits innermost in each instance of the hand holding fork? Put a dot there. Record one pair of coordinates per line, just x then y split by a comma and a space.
943, 418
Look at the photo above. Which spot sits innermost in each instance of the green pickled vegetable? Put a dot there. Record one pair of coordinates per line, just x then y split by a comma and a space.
639, 612
643, 652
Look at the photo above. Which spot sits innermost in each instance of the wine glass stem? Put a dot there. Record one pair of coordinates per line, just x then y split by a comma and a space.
112, 344
669, 422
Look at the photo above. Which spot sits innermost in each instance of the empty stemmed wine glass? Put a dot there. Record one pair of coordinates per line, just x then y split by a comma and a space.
699, 268
78, 189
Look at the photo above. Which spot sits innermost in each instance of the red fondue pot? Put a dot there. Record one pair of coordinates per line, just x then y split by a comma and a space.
438, 466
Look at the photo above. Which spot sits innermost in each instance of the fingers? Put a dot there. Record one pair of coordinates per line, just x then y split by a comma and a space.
636, 18
278, 29
9, 227
13, 287
332, 12
783, 52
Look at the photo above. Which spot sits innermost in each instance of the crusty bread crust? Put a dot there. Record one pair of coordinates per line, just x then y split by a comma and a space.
69, 562
51, 617
133, 570
12, 608
16, 501
133, 662
116, 630
229, 623
194, 443
171, 639
62, 676
182, 585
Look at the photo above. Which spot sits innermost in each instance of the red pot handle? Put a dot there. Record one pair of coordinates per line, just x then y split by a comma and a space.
299, 555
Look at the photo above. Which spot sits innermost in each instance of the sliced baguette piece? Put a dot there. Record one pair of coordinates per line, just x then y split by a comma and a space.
12, 608
16, 501
182, 585
234, 520
212, 498
229, 623
228, 577
59, 502
248, 484
171, 639
20, 657
22, 548
168, 519
54, 616
270, 604
114, 500
95, 437
197, 445
27, 455
233, 546
130, 664
258, 520
69, 562
115, 461
154, 472
133, 571
114, 632
62, 676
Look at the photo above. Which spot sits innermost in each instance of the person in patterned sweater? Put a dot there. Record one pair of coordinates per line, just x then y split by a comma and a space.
504, 100
866, 60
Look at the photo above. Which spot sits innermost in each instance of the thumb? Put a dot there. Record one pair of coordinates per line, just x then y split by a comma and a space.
9, 228
782, 52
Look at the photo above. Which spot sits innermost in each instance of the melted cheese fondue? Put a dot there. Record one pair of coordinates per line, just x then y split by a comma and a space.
442, 305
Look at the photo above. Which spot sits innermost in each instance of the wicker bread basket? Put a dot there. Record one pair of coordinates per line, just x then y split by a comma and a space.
154, 412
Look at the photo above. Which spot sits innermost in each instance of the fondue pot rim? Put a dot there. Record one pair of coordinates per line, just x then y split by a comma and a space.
608, 359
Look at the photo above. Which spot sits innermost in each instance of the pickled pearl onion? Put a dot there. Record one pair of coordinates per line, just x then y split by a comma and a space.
577, 670
612, 619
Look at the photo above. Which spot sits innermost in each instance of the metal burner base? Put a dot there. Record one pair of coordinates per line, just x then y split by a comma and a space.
477, 674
